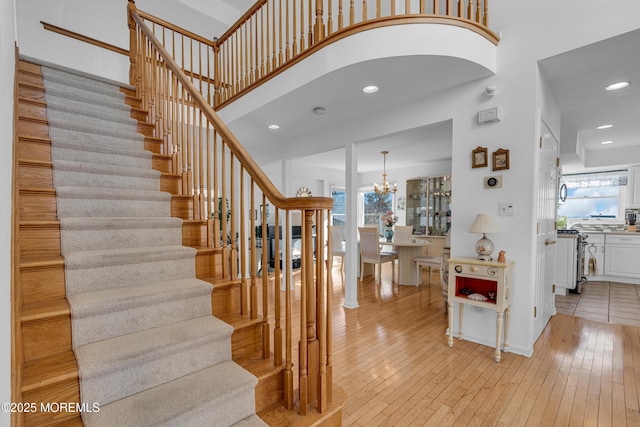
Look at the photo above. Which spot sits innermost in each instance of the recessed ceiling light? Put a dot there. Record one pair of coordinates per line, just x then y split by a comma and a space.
318, 110
370, 89
274, 126
604, 127
616, 86
606, 142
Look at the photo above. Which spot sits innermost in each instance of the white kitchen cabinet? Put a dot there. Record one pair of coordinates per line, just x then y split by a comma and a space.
633, 187
565, 264
622, 253
595, 250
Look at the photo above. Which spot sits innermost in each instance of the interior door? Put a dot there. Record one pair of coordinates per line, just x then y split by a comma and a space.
546, 212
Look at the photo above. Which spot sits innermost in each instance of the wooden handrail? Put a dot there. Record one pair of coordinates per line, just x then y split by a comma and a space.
238, 150
83, 38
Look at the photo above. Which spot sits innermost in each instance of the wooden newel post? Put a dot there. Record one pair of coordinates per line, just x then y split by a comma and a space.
318, 28
217, 85
131, 7
309, 347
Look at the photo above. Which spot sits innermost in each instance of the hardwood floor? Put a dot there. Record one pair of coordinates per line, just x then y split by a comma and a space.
391, 357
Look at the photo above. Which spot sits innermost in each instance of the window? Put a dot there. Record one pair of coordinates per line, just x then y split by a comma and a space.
339, 212
593, 195
376, 205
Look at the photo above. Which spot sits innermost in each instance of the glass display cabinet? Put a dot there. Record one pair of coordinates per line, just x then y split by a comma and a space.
427, 207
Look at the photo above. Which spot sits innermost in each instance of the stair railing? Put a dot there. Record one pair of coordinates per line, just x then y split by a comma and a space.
275, 34
170, 69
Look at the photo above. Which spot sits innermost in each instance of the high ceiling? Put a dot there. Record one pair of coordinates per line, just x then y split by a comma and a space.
576, 78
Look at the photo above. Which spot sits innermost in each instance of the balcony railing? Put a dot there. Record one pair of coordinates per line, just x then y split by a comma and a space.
275, 34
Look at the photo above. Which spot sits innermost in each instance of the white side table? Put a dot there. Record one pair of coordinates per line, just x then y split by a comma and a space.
488, 278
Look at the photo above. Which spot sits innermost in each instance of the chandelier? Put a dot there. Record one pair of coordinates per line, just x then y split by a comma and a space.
386, 189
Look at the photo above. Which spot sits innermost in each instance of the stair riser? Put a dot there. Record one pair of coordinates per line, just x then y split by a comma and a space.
99, 158
146, 129
140, 373
162, 164
225, 300
105, 207
154, 145
132, 101
33, 149
66, 391
113, 238
45, 337
112, 277
31, 93
96, 180
246, 341
32, 109
194, 234
270, 390
42, 283
171, 184
181, 207
32, 175
208, 265
95, 328
39, 241
29, 127
38, 206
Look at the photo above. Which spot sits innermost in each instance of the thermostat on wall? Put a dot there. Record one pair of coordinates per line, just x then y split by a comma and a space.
493, 181
490, 115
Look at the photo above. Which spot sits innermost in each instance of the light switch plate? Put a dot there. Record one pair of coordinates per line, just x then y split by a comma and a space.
507, 209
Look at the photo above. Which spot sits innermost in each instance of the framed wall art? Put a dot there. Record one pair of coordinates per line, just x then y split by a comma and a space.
479, 158
500, 159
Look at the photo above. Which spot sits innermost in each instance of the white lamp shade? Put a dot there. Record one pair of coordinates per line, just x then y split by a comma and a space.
484, 223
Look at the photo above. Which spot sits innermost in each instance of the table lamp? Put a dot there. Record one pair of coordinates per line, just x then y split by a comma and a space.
484, 224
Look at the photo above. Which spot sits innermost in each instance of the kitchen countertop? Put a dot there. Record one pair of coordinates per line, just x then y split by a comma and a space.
622, 233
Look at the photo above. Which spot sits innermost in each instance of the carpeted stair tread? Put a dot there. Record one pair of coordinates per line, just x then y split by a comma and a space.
97, 157
75, 192
99, 302
97, 168
110, 257
89, 125
81, 174
82, 145
76, 80
112, 112
215, 396
91, 139
118, 367
88, 233
106, 314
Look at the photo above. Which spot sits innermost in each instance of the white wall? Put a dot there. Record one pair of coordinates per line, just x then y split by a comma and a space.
105, 21
7, 71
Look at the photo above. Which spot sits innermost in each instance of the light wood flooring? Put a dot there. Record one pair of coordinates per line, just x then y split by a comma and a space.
391, 357
609, 302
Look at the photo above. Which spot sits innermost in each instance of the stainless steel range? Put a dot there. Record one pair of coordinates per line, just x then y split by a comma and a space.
578, 262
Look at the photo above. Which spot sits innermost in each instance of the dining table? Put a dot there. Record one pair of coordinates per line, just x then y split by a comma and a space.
408, 250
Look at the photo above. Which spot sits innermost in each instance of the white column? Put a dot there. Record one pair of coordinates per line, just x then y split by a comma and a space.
351, 228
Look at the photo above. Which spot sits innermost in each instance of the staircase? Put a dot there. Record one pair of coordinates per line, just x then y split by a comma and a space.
138, 324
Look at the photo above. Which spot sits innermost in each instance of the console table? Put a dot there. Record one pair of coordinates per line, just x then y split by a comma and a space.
471, 278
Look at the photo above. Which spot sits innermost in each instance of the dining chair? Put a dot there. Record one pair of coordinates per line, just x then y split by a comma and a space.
337, 250
429, 262
370, 253
402, 232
